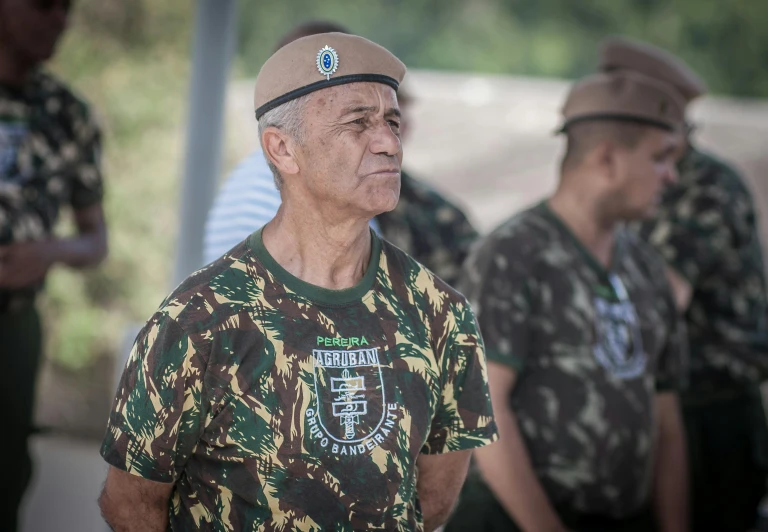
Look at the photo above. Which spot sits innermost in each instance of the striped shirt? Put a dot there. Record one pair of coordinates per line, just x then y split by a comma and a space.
248, 199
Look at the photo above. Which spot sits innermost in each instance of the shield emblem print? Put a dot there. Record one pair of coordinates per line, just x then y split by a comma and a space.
618, 342
350, 393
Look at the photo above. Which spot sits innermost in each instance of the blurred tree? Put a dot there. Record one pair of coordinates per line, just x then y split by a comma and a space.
726, 43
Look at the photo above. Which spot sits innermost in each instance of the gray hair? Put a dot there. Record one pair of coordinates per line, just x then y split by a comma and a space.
288, 118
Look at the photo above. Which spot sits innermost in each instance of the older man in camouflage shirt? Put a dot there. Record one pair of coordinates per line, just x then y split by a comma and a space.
706, 229
584, 343
49, 160
315, 377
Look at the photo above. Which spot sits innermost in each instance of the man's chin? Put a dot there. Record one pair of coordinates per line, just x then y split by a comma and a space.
385, 196
385, 206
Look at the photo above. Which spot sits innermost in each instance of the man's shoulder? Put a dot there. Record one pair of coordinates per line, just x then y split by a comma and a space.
209, 297
59, 98
414, 276
525, 236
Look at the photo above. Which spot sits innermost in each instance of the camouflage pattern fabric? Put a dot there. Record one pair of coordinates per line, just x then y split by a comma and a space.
277, 405
429, 228
591, 348
706, 229
49, 158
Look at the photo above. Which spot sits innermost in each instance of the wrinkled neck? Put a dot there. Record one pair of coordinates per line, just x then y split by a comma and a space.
329, 252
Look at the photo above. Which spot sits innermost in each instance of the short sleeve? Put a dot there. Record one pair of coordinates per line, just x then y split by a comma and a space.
87, 185
500, 292
155, 420
464, 416
691, 232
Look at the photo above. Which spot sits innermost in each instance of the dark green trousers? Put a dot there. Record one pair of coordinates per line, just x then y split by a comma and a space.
478, 511
20, 349
728, 459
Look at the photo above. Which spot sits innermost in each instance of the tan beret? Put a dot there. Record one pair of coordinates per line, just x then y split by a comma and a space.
622, 53
320, 61
625, 96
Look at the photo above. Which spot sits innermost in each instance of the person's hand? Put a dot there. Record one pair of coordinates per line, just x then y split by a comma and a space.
24, 264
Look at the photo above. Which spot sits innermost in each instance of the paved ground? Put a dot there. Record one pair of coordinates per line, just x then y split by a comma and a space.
67, 481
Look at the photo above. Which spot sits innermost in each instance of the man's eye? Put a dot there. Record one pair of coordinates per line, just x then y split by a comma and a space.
394, 123
358, 122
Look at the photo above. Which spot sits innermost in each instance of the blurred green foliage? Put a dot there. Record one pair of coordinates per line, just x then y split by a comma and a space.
726, 42
130, 58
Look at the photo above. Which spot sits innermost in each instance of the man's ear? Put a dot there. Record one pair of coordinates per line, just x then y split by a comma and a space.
278, 148
604, 158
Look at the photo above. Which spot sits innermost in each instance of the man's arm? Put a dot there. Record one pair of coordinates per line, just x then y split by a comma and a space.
506, 466
440, 479
89, 247
27, 263
130, 503
671, 482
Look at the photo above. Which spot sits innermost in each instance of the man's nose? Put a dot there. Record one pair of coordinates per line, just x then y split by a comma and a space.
385, 141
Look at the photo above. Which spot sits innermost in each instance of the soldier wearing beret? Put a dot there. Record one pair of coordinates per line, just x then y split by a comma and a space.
585, 350
50, 147
316, 377
706, 229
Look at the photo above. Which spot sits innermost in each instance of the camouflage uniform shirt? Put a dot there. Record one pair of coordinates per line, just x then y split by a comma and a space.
277, 405
429, 228
706, 229
49, 158
591, 347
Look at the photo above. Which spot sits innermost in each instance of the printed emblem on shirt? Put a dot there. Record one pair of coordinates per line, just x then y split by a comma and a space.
619, 345
351, 414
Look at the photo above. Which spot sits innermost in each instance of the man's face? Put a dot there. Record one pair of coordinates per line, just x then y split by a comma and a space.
644, 171
352, 154
32, 28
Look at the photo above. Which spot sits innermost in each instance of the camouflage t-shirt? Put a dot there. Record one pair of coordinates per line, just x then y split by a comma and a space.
277, 405
591, 347
429, 228
49, 158
706, 229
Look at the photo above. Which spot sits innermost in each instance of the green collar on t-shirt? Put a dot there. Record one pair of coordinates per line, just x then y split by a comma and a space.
605, 289
312, 292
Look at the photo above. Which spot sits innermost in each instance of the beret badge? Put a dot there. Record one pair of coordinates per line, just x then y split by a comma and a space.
327, 61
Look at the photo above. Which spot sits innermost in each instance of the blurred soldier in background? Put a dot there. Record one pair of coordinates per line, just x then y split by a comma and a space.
424, 224
49, 159
706, 229
585, 347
